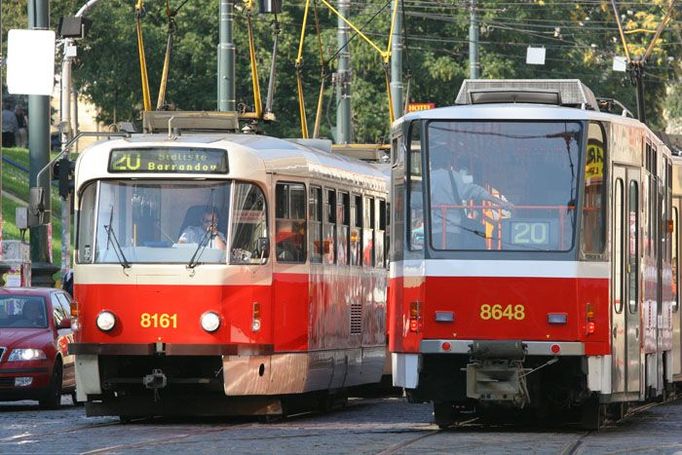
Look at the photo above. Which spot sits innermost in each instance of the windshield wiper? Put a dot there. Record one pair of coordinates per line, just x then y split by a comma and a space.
203, 243
117, 246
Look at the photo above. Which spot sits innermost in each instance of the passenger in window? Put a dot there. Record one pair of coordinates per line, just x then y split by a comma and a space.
206, 230
452, 186
289, 246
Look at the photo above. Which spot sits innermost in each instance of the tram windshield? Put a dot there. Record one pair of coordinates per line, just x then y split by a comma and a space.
509, 186
155, 221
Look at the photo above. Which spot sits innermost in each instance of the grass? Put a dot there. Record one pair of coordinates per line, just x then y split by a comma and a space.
15, 182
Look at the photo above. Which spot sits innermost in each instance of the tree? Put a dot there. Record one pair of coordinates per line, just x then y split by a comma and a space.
580, 38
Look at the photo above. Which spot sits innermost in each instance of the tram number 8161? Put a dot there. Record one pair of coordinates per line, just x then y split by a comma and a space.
156, 320
497, 312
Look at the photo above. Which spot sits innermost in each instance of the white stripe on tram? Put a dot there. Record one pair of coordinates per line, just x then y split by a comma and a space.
499, 269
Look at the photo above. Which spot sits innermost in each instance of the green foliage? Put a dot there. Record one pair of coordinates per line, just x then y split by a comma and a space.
15, 187
580, 38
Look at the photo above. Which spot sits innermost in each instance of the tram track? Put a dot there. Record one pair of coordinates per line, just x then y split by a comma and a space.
425, 434
19, 437
571, 448
161, 441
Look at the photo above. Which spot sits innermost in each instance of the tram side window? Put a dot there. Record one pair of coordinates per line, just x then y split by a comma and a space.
669, 210
651, 221
249, 225
329, 228
368, 233
290, 223
379, 236
86, 225
315, 214
415, 189
618, 230
343, 232
356, 232
594, 207
633, 247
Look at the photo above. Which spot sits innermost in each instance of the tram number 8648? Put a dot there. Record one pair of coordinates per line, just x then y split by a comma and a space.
156, 320
497, 312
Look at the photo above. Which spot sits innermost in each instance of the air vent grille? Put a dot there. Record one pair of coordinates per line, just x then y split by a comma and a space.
355, 318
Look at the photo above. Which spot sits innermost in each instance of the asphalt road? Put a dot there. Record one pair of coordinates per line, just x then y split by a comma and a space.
367, 426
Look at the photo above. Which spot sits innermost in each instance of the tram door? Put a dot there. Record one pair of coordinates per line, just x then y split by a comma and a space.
625, 280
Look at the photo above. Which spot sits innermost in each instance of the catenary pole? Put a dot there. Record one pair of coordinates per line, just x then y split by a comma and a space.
343, 78
474, 63
226, 59
397, 60
42, 268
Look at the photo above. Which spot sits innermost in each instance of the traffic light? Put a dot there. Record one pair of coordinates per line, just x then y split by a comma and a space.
62, 170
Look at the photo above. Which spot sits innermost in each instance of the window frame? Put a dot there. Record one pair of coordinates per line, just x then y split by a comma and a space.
315, 217
304, 220
230, 222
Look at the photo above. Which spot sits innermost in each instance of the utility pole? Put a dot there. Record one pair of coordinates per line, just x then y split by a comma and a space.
42, 268
343, 77
68, 125
397, 61
226, 58
474, 64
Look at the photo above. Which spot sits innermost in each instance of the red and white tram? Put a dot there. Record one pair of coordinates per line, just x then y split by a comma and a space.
292, 309
531, 263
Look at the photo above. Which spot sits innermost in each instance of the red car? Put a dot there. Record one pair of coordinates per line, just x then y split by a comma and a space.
35, 330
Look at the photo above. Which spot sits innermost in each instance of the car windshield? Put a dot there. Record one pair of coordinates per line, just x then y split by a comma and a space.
170, 222
503, 186
18, 311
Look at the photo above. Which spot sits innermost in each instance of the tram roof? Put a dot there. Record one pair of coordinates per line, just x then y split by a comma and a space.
513, 111
250, 153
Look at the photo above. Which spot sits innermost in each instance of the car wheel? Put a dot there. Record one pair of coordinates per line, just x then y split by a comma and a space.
53, 398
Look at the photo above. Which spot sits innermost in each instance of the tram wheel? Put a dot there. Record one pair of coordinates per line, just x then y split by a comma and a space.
444, 413
593, 413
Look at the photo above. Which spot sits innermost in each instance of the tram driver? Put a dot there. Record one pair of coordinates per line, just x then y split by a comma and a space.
452, 187
208, 226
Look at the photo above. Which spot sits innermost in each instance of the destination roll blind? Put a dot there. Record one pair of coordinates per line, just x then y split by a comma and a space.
169, 160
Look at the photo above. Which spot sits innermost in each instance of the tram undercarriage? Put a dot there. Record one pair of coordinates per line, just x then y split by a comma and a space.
267, 385
539, 387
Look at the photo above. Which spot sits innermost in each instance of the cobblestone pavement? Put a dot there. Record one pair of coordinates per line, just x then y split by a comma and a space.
367, 426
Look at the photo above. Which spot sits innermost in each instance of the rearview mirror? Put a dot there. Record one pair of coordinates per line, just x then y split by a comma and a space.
64, 324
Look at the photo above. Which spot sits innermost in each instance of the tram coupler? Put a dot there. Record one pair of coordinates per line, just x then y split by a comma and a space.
496, 372
156, 380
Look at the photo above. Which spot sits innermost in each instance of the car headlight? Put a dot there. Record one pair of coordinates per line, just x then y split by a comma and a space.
210, 321
22, 355
106, 320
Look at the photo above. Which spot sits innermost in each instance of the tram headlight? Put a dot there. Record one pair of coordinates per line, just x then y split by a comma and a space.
106, 321
255, 325
210, 321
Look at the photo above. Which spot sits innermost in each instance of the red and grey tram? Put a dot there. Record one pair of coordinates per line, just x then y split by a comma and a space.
225, 274
531, 263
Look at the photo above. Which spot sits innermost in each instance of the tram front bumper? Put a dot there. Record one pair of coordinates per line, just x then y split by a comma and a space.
550, 348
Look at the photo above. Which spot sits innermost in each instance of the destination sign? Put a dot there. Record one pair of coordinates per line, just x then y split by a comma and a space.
169, 160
